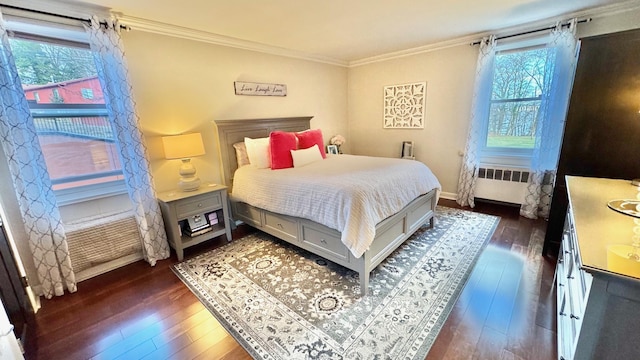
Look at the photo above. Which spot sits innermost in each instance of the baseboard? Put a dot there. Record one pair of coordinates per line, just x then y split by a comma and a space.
448, 195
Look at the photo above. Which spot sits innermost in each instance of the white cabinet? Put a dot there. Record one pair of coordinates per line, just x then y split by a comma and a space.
573, 286
598, 299
9, 347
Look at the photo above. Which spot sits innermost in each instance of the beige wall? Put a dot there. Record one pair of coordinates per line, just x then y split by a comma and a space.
449, 74
182, 86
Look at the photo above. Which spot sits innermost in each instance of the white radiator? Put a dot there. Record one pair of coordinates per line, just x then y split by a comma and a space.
100, 244
502, 184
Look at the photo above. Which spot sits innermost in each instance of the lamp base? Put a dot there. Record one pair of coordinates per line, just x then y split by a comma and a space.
188, 179
189, 184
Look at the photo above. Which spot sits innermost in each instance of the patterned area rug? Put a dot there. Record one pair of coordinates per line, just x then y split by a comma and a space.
281, 302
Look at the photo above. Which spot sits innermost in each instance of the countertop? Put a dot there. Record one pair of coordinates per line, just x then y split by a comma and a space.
604, 236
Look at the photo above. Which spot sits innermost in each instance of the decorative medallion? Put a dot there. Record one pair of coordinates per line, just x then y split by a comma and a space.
264, 264
404, 106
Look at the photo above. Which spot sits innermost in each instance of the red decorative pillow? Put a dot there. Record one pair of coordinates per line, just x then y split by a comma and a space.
308, 138
281, 143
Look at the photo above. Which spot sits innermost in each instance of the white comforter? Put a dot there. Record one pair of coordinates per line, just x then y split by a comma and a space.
347, 193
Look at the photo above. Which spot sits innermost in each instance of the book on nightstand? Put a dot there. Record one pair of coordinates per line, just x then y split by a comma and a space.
195, 225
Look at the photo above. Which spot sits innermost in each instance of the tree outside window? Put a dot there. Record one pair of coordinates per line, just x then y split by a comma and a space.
518, 81
68, 108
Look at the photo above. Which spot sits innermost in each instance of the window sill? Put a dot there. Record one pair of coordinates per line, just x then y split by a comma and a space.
498, 160
90, 192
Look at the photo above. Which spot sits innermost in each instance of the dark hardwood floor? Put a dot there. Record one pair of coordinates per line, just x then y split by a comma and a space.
506, 310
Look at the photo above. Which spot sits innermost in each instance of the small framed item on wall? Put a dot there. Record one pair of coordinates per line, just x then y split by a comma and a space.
404, 106
259, 89
407, 150
332, 149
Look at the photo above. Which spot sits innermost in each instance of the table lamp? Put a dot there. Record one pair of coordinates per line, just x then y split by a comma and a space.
184, 147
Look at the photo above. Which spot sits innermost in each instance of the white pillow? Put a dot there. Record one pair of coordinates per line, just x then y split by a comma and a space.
258, 152
306, 156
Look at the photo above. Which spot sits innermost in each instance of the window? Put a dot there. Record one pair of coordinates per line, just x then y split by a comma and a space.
518, 84
65, 98
55, 96
87, 93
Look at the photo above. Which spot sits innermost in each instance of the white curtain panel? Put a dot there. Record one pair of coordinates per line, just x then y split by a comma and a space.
106, 45
551, 120
40, 213
479, 110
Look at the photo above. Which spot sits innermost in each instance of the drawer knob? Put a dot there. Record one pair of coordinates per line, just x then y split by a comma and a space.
570, 277
323, 241
280, 226
562, 314
574, 317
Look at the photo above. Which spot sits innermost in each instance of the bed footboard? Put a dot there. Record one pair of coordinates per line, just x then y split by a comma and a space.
326, 242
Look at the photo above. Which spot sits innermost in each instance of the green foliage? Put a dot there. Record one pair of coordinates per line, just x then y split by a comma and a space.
518, 84
519, 142
41, 63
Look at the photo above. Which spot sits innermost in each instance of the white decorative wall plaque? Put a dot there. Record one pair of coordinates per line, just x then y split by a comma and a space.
259, 89
404, 106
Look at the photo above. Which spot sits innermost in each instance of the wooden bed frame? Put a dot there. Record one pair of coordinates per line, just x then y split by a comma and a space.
306, 234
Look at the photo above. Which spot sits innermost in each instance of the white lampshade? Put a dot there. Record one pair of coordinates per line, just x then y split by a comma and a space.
184, 147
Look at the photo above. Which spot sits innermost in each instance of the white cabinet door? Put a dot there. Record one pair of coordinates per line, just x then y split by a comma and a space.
9, 347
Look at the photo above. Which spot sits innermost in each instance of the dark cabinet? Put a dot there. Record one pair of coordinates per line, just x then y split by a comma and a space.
602, 131
12, 292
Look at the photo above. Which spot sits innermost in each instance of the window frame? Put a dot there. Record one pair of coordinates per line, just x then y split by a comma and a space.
66, 37
506, 156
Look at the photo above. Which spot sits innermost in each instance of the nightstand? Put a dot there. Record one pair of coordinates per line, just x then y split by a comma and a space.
179, 206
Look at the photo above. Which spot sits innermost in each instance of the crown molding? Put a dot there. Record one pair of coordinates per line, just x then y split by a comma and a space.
75, 9
594, 13
465, 40
198, 35
85, 11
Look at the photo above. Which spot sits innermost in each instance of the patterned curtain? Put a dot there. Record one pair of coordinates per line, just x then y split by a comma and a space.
107, 49
479, 110
551, 118
31, 181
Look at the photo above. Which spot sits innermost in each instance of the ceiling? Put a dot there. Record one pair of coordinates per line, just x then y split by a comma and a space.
348, 30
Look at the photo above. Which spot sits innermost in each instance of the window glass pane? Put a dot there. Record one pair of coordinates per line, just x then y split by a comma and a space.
518, 84
512, 124
67, 103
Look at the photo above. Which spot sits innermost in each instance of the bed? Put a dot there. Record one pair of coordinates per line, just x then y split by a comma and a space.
319, 235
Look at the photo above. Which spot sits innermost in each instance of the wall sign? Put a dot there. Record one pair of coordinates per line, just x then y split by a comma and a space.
259, 89
404, 106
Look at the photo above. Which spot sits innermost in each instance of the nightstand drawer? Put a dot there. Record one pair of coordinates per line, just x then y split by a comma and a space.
198, 205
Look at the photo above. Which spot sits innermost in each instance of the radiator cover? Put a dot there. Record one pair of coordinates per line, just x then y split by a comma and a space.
502, 184
96, 241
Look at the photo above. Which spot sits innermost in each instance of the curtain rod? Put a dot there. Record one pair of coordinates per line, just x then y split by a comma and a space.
124, 27
532, 31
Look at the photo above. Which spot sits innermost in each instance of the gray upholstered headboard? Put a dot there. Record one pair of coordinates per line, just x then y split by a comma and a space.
230, 132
